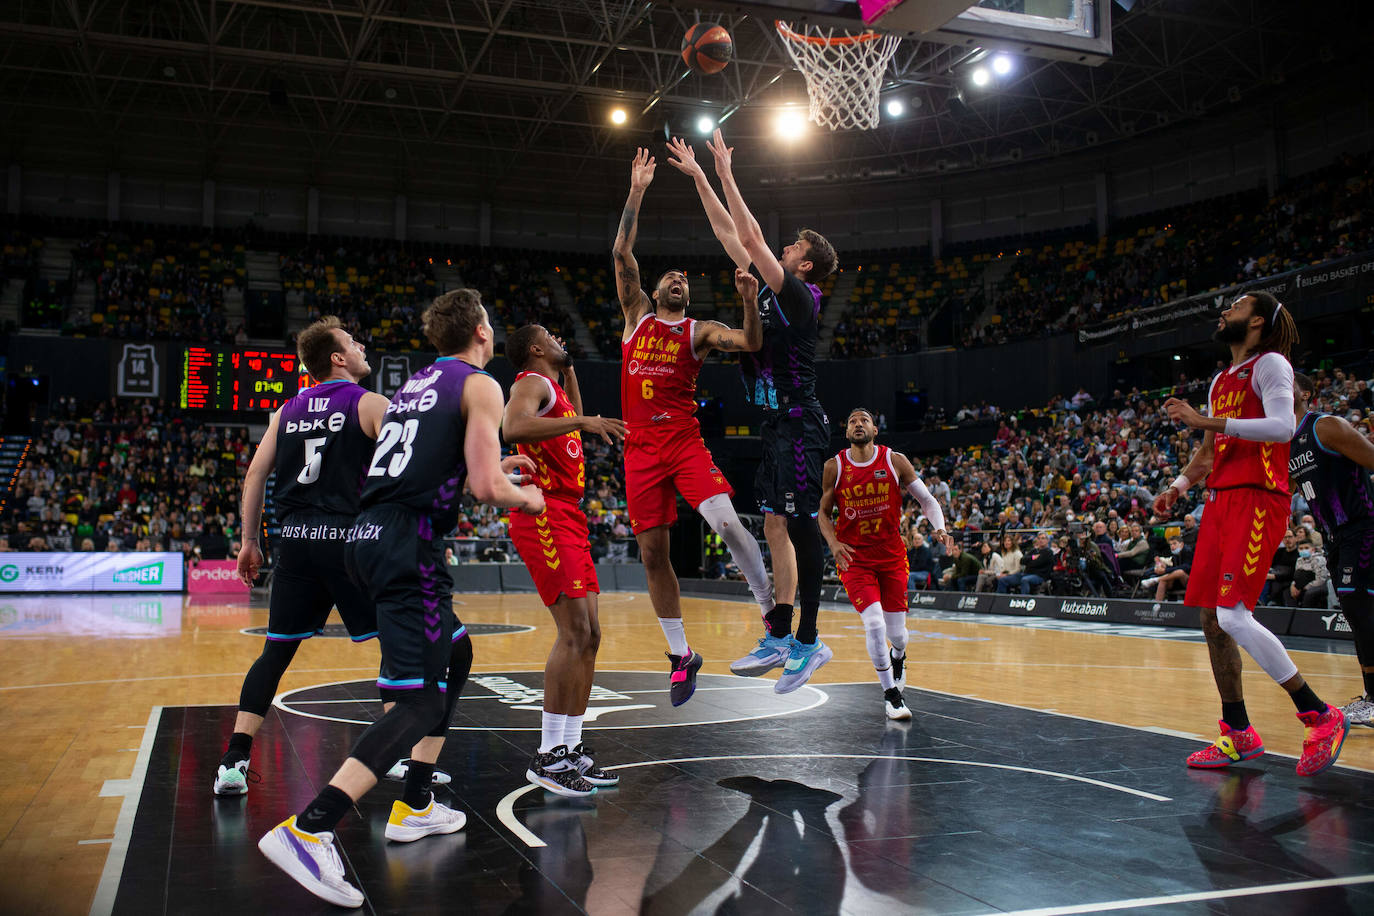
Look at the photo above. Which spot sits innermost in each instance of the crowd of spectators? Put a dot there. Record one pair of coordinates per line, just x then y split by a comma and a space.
378, 292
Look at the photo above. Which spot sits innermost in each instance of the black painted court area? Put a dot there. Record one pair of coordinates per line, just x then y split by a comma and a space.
829, 809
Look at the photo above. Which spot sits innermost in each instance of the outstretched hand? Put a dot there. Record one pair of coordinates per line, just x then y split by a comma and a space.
686, 158
642, 170
721, 152
746, 284
608, 428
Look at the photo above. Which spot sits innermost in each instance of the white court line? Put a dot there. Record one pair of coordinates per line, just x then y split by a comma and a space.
767, 685
132, 790
108, 839
1166, 900
505, 808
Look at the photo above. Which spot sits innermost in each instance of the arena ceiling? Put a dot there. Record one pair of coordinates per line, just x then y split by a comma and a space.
512, 96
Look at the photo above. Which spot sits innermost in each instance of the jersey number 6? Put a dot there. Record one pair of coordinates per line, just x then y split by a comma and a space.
646, 388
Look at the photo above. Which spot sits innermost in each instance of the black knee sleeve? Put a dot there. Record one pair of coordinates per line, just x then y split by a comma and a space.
1359, 613
392, 736
459, 664
805, 535
260, 683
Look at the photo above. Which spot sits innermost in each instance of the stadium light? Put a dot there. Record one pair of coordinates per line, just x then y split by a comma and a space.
705, 124
981, 77
618, 116
790, 124
895, 108
1001, 65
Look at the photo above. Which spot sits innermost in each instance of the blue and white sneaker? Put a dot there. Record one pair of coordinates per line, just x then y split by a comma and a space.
772, 651
312, 860
803, 662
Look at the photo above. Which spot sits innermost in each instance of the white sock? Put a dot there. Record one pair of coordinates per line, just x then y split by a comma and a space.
677, 636
551, 731
720, 514
572, 731
896, 631
875, 640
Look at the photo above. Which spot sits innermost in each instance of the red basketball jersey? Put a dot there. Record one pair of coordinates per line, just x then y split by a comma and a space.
1241, 462
870, 504
559, 469
658, 373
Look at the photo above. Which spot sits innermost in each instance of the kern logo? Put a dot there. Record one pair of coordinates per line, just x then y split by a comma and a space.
148, 574
1084, 608
9, 572
1027, 604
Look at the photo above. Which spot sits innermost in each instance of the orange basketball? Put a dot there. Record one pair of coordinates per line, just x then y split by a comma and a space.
707, 48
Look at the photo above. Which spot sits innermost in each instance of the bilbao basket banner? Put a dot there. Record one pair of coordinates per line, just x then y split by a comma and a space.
215, 577
91, 572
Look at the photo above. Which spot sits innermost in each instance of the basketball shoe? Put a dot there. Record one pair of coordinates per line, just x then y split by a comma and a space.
406, 824
682, 678
894, 705
581, 757
311, 860
1321, 745
232, 780
1232, 747
772, 651
1359, 711
898, 667
556, 773
398, 774
802, 662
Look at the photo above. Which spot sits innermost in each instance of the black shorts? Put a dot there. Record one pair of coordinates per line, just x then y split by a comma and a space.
794, 444
311, 577
394, 552
1351, 562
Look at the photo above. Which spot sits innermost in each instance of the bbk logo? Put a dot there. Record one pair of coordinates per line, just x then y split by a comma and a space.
1027, 604
334, 423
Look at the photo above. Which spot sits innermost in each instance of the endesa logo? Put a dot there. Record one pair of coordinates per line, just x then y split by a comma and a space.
219, 574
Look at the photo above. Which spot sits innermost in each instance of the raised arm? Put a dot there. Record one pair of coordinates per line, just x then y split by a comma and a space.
482, 408
746, 227
633, 302
713, 335
842, 553
250, 510
721, 223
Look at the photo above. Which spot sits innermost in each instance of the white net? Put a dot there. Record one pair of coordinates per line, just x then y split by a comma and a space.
843, 72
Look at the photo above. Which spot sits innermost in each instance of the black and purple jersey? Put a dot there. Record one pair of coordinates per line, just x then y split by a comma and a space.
1339, 492
419, 460
782, 374
322, 451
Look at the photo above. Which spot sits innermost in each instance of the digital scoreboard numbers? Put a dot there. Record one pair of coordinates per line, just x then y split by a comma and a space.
234, 379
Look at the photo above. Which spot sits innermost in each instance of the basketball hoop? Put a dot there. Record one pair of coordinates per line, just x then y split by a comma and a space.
843, 72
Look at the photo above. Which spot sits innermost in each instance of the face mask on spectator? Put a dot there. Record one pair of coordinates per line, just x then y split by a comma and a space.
1305, 552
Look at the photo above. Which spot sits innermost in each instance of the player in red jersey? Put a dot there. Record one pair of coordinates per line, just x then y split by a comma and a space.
1244, 457
865, 482
546, 424
665, 456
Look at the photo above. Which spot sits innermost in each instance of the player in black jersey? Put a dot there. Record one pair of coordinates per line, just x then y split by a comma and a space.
1329, 464
795, 435
439, 430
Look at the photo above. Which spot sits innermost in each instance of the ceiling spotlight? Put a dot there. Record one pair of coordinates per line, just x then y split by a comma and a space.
618, 116
705, 124
981, 76
790, 124
169, 71
390, 93
1001, 65
895, 108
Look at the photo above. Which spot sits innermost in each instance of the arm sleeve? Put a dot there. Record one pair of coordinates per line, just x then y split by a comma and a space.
929, 507
1273, 382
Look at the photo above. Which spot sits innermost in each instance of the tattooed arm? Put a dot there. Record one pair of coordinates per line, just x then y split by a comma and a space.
633, 302
712, 335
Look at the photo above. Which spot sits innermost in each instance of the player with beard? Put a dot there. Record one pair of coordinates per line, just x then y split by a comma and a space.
1329, 463
545, 422
1244, 458
865, 482
795, 433
662, 350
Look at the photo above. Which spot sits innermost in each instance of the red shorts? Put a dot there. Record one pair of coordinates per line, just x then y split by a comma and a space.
880, 579
556, 550
661, 462
1241, 529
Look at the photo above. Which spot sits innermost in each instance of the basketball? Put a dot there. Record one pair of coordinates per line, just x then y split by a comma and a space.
707, 48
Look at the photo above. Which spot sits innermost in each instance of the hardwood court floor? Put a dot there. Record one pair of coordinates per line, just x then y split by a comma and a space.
79, 678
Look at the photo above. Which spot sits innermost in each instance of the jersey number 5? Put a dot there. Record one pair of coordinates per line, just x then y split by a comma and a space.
314, 460
391, 435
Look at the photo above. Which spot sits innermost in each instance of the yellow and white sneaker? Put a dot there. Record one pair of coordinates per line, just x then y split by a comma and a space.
406, 825
312, 860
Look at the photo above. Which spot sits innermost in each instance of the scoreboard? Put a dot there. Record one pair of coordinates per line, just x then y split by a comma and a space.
239, 378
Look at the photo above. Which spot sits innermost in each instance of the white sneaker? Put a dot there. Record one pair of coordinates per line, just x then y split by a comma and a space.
398, 772
232, 780
406, 825
312, 860
894, 705
1146, 583
1359, 711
